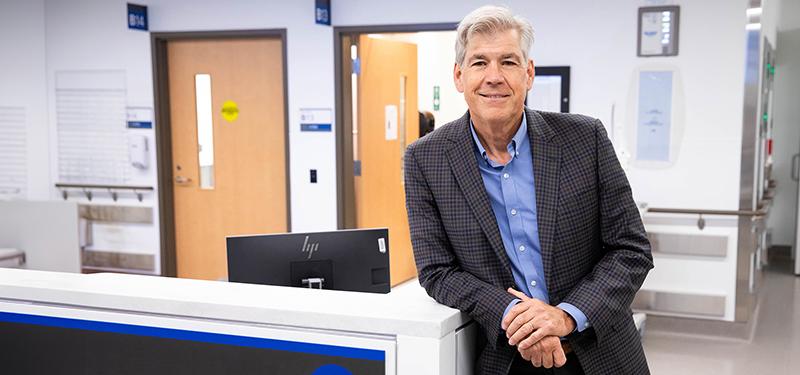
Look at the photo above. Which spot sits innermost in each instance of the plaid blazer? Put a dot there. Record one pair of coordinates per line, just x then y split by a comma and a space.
595, 252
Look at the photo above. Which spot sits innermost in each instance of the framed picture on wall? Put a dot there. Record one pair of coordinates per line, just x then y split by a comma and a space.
658, 31
550, 90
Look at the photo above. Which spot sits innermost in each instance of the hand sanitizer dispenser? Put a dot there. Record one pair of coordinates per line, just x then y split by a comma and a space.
138, 151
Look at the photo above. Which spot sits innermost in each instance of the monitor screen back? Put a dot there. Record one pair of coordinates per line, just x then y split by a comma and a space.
351, 260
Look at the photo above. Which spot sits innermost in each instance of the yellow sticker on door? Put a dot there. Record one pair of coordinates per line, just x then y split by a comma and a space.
230, 111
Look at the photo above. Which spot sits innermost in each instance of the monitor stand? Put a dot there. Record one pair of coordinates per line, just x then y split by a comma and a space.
315, 274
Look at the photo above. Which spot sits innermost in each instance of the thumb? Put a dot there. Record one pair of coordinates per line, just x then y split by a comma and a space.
518, 294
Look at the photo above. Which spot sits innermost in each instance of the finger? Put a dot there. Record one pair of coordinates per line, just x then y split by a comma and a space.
518, 322
559, 357
542, 327
521, 334
525, 354
547, 359
535, 337
518, 294
536, 355
512, 314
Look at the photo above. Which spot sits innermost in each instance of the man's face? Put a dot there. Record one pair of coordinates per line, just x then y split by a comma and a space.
495, 76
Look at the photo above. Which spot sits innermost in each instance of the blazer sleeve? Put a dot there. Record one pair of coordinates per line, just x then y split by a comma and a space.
605, 294
437, 265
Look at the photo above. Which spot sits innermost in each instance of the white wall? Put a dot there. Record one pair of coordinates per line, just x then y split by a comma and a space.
22, 84
597, 39
789, 18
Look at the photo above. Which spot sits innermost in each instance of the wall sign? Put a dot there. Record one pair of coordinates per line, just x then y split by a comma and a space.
322, 12
315, 119
140, 118
137, 17
658, 31
436, 100
654, 123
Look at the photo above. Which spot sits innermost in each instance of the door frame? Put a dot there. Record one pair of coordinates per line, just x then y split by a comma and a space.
345, 193
163, 131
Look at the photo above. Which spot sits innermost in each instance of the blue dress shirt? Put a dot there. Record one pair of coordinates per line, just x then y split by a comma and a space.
512, 193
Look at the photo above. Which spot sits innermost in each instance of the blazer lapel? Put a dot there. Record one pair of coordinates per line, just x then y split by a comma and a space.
462, 160
546, 161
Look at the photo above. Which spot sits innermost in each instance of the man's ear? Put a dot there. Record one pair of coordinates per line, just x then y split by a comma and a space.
531, 72
457, 78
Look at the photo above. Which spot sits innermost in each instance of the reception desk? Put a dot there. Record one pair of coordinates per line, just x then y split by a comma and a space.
128, 324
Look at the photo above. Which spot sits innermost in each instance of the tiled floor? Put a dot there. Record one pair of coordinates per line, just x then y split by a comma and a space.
774, 349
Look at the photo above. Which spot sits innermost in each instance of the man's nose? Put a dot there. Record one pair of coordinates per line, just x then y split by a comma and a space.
493, 74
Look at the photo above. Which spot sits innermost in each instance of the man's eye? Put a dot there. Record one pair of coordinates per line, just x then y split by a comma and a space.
509, 62
479, 63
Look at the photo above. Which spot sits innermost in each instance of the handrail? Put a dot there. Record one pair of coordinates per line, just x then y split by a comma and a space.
706, 212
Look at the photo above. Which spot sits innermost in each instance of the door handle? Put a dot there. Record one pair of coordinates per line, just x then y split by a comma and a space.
795, 172
180, 180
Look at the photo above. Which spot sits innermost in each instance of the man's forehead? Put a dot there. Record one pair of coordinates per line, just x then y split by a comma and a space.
496, 53
495, 44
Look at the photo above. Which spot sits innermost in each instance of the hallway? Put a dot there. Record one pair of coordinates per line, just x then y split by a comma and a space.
773, 349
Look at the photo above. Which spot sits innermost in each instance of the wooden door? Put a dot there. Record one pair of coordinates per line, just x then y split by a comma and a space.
249, 193
379, 193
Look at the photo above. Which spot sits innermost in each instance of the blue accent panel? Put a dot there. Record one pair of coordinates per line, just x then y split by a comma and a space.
315, 127
332, 370
214, 338
140, 125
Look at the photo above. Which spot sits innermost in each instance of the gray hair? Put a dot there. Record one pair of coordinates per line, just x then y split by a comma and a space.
490, 19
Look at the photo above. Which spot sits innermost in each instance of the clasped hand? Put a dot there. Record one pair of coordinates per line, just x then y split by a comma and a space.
535, 328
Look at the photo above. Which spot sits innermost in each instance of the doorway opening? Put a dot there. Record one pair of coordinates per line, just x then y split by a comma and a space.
394, 84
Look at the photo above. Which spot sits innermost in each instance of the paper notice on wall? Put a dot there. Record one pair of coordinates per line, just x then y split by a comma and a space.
91, 122
13, 153
390, 122
545, 95
655, 116
652, 34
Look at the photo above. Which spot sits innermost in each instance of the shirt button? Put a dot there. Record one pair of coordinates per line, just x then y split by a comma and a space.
533, 283
521, 247
505, 175
513, 211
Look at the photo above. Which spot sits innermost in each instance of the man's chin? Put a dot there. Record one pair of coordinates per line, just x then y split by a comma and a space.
494, 114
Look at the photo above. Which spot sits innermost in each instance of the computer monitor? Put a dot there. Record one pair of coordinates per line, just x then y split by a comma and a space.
352, 260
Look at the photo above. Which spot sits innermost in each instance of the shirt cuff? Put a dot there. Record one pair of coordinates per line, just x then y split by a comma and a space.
581, 323
508, 308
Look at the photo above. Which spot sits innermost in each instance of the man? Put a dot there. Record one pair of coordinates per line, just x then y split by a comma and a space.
524, 219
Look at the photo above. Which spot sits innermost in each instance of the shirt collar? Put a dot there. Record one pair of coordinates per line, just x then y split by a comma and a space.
518, 139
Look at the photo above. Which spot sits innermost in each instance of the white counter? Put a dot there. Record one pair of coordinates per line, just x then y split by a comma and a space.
423, 332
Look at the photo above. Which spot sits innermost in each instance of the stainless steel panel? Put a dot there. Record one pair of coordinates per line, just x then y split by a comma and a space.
745, 300
679, 303
688, 244
121, 214
118, 261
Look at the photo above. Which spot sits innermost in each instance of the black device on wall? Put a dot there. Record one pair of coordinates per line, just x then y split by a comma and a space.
351, 260
549, 78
